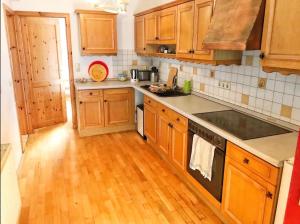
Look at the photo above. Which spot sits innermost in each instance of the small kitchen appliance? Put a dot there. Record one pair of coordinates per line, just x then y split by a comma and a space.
154, 75
140, 119
134, 74
144, 75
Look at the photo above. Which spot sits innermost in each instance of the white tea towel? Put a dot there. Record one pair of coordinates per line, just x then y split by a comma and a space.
202, 156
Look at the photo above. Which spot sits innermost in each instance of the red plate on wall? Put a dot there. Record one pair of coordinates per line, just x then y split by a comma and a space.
98, 71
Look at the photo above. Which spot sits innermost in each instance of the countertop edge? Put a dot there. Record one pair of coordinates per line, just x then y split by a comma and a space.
223, 133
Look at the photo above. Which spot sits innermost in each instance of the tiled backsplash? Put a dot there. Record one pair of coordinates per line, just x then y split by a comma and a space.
127, 59
271, 94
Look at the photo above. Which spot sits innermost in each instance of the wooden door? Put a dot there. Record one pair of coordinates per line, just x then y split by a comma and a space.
167, 22
91, 113
118, 106
246, 198
203, 14
281, 44
178, 146
151, 35
164, 133
150, 119
185, 30
98, 33
41, 37
139, 35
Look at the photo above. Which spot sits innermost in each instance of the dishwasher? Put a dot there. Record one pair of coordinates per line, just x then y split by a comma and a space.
215, 186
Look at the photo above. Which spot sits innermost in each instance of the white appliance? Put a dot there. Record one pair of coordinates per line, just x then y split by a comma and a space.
140, 119
284, 191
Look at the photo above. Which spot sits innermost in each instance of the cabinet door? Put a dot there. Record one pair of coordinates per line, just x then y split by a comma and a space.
139, 35
246, 198
150, 119
151, 28
185, 30
98, 34
91, 113
281, 44
203, 13
178, 146
164, 133
167, 22
118, 107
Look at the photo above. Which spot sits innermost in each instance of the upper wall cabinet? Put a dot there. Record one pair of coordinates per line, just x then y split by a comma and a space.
193, 21
281, 37
160, 27
98, 32
140, 46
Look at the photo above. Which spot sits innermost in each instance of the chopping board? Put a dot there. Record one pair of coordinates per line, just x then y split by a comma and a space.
172, 74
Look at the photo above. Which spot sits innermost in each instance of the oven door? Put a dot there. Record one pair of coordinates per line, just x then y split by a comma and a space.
215, 185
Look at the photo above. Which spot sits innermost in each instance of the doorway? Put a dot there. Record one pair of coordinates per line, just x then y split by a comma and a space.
42, 67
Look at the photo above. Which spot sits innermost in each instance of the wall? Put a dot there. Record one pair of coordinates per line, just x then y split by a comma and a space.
9, 120
279, 99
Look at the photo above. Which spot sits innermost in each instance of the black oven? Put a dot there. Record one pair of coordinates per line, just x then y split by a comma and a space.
214, 187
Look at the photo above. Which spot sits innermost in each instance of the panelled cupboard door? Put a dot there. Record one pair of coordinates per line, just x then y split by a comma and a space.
91, 113
98, 33
139, 35
151, 35
178, 146
185, 30
246, 198
281, 43
150, 122
203, 14
164, 134
167, 22
41, 38
118, 107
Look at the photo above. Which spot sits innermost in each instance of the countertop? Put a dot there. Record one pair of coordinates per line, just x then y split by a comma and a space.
273, 149
5, 150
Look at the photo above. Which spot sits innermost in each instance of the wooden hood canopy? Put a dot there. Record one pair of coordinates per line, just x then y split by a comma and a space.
236, 25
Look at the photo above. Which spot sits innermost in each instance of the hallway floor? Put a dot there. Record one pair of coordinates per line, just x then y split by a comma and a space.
114, 178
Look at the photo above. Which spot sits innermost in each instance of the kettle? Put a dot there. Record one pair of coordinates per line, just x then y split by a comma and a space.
134, 75
154, 75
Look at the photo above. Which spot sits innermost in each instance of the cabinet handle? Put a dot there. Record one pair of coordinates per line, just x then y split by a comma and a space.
105, 101
178, 119
144, 48
149, 101
156, 38
170, 125
262, 55
246, 161
269, 195
80, 102
192, 51
163, 110
91, 93
83, 48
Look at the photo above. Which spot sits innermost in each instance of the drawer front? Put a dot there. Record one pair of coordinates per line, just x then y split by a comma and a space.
89, 93
179, 119
253, 163
149, 101
163, 110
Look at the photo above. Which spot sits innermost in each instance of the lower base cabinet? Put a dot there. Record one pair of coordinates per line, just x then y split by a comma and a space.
105, 111
248, 197
168, 131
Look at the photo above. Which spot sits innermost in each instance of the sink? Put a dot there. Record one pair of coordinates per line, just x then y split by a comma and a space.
166, 93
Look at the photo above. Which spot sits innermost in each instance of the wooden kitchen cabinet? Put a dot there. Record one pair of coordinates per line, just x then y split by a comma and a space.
151, 35
98, 32
90, 109
164, 134
150, 122
280, 42
105, 111
248, 181
119, 107
167, 23
140, 46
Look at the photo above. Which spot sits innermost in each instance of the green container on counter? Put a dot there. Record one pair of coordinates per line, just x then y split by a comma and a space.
187, 86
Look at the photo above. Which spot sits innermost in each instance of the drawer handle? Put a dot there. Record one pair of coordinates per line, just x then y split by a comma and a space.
269, 195
246, 161
80, 102
163, 110
149, 101
178, 119
91, 93
105, 101
170, 125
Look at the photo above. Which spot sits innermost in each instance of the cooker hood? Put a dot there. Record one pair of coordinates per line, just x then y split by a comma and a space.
236, 25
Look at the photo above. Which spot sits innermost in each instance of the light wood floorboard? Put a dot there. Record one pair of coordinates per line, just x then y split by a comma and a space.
112, 178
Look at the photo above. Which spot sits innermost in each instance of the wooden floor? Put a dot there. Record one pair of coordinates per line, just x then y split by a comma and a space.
114, 178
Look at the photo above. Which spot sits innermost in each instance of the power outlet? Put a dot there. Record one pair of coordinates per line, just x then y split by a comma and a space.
224, 85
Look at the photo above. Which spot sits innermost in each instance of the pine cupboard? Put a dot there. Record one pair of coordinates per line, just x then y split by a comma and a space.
139, 31
281, 43
105, 111
98, 32
249, 188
